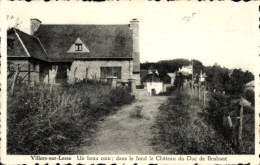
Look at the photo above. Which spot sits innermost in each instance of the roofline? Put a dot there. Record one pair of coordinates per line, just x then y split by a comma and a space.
36, 19
28, 54
104, 58
25, 58
42, 48
85, 24
53, 62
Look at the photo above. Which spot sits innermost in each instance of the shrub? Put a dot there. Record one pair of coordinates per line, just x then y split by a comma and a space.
41, 121
219, 107
183, 129
137, 113
120, 96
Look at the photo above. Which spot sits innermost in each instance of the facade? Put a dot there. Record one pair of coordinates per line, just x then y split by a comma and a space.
68, 53
152, 83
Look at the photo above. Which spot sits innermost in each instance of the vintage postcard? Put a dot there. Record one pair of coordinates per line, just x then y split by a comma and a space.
129, 83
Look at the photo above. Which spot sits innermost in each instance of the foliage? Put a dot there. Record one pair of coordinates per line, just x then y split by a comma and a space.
231, 81
41, 121
250, 96
183, 129
166, 66
219, 107
219, 78
120, 96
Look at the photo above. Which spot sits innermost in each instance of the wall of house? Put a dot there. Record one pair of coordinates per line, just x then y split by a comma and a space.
55, 73
158, 86
165, 86
137, 78
24, 69
93, 67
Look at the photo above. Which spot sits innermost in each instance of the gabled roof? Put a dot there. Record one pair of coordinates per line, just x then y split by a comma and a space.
31, 45
103, 41
151, 78
171, 75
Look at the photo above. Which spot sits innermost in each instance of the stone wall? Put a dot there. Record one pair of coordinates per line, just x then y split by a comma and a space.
91, 69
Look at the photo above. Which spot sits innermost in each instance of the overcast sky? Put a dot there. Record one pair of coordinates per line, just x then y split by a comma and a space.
215, 33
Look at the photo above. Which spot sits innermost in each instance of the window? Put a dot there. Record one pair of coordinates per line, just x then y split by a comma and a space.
78, 47
110, 72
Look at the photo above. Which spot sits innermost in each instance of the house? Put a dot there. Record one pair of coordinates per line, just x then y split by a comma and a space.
25, 52
152, 83
65, 53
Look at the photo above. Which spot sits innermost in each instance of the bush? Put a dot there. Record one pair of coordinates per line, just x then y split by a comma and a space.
41, 121
120, 96
183, 129
137, 113
219, 107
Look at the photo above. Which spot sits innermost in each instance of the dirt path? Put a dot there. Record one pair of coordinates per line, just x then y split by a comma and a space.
121, 134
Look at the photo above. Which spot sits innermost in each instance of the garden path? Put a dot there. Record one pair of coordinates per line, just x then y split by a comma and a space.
120, 133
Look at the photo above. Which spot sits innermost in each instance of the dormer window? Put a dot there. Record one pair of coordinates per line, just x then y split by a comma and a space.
78, 47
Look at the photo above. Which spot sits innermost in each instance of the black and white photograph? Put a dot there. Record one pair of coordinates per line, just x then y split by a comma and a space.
110, 80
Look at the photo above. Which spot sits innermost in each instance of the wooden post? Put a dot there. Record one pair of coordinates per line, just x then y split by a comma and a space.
199, 91
74, 75
204, 98
229, 121
14, 80
192, 76
29, 73
240, 128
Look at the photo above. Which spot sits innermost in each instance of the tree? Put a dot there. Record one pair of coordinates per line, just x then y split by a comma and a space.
237, 81
179, 80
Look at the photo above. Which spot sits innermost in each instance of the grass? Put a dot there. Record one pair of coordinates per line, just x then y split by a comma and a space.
186, 127
182, 128
137, 113
44, 121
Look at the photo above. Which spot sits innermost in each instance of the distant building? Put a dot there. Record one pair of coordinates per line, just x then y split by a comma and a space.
152, 82
202, 77
186, 70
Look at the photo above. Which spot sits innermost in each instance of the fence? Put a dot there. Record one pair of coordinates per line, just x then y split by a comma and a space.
235, 130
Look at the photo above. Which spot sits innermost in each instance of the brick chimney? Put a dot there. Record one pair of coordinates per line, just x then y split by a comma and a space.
134, 26
35, 24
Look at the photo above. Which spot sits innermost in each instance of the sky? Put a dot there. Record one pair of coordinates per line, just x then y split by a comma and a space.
225, 33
